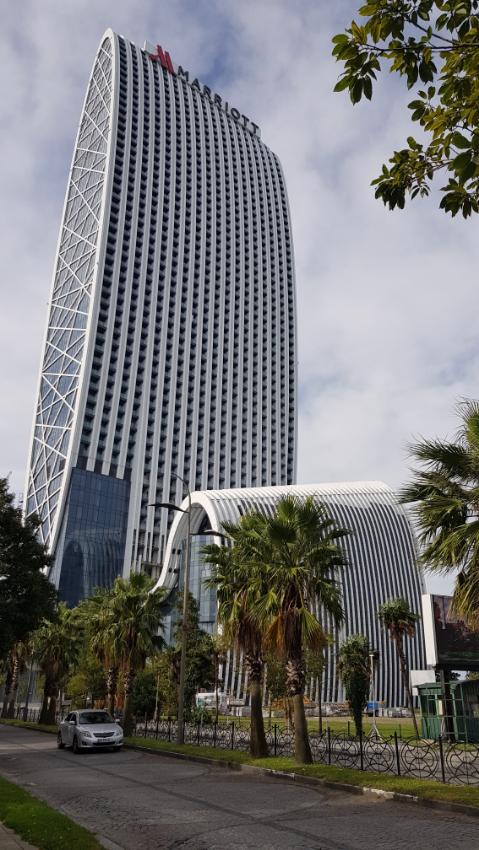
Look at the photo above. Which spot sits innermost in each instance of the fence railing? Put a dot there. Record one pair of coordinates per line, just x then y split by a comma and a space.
418, 758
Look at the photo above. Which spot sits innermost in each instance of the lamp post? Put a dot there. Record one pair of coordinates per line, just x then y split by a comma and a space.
186, 583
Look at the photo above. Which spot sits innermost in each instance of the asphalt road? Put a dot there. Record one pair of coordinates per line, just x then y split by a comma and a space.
138, 801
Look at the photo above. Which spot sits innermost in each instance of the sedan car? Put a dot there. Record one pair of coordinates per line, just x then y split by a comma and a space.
89, 729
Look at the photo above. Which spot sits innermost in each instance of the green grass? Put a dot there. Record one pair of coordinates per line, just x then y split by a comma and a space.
191, 750
38, 727
40, 825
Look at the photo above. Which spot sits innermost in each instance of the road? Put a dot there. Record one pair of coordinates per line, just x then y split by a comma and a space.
139, 801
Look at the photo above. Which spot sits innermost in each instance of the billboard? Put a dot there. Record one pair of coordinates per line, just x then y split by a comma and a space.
449, 641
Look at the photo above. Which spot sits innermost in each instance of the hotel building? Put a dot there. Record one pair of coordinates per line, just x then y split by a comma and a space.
170, 348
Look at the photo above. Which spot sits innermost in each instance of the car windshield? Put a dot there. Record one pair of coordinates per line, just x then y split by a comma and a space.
94, 717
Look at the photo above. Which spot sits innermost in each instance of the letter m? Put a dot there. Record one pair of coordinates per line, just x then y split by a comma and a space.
164, 58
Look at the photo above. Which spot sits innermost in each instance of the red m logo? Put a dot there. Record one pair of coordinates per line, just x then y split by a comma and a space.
163, 57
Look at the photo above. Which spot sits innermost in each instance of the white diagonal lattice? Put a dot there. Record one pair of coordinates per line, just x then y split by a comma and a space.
70, 304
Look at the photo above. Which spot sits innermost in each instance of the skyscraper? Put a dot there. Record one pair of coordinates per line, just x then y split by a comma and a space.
170, 347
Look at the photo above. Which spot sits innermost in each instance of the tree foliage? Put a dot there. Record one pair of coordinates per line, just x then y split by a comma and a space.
56, 646
397, 618
354, 670
434, 46
237, 597
26, 595
199, 661
290, 560
444, 493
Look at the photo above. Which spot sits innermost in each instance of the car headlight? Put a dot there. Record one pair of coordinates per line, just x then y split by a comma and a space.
86, 733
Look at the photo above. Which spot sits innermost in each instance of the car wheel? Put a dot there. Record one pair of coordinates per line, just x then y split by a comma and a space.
60, 743
75, 746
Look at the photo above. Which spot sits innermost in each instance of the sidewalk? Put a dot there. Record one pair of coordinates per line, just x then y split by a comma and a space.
10, 841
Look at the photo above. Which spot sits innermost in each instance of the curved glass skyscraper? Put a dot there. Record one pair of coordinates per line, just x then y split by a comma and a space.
170, 348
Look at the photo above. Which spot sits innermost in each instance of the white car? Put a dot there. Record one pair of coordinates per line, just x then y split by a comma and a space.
89, 729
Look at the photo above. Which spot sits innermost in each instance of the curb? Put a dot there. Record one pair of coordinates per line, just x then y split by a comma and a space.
299, 779
316, 782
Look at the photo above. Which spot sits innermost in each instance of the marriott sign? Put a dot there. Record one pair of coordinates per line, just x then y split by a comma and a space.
157, 54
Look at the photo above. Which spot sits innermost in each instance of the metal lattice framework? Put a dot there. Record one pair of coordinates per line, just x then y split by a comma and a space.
70, 301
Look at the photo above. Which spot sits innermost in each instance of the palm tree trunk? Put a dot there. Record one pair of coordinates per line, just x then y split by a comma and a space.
128, 679
295, 686
13, 687
405, 678
49, 704
8, 689
258, 745
111, 683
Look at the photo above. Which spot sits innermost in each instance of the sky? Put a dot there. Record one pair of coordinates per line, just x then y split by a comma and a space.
387, 304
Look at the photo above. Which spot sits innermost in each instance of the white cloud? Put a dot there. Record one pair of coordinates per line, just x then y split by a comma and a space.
386, 301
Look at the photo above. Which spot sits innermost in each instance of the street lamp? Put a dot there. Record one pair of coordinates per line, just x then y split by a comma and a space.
186, 583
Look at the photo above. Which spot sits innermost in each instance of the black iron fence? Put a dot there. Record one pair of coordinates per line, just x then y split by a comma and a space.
417, 758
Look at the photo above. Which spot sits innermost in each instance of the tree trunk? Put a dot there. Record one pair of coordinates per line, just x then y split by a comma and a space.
405, 678
111, 683
258, 745
295, 687
128, 723
8, 689
49, 704
14, 687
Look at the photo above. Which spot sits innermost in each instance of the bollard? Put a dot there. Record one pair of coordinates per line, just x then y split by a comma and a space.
329, 745
275, 739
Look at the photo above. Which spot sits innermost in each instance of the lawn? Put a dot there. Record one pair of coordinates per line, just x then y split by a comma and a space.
40, 825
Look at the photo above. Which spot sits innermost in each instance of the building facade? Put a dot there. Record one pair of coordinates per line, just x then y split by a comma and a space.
170, 349
381, 565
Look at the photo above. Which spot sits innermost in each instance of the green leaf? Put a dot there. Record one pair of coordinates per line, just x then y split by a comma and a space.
368, 88
356, 91
460, 141
342, 84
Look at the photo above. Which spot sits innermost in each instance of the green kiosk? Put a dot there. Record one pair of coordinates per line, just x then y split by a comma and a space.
449, 708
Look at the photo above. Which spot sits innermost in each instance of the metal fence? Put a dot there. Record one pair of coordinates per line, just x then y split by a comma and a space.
417, 758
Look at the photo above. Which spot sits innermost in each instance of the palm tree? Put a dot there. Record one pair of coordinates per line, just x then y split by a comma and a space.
236, 597
445, 497
132, 625
57, 645
397, 618
18, 658
355, 672
98, 618
295, 558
